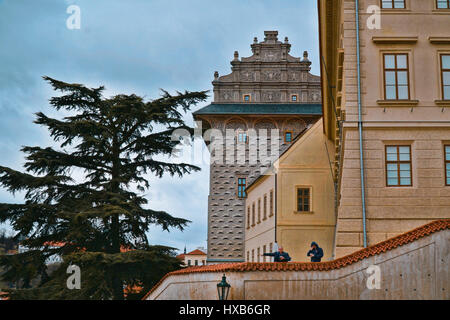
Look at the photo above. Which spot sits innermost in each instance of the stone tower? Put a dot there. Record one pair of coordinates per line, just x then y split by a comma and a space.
269, 90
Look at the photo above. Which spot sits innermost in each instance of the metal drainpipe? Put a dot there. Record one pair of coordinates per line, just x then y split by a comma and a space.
361, 156
275, 195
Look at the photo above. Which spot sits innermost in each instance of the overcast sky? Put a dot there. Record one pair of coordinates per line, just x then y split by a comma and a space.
134, 46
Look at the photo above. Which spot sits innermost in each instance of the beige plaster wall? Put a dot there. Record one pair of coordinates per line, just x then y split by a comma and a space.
262, 233
423, 122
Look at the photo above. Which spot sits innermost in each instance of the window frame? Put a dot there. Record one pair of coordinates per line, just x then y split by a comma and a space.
288, 132
259, 210
292, 97
253, 214
271, 203
442, 74
297, 188
244, 133
393, 2
396, 70
244, 190
248, 217
247, 95
265, 207
446, 161
448, 4
398, 162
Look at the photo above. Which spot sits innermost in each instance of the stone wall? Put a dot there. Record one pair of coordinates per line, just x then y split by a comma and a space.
415, 270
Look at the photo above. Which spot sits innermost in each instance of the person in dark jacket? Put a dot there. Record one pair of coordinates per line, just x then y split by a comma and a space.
316, 252
279, 256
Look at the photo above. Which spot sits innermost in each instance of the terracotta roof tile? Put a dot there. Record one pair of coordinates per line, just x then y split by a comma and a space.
196, 252
378, 248
180, 256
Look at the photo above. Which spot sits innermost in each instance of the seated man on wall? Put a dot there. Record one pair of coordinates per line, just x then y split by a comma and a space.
279, 256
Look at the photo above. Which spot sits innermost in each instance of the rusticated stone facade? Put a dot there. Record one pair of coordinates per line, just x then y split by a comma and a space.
270, 90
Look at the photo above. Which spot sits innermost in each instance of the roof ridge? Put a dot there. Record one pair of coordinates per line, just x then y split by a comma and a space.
341, 262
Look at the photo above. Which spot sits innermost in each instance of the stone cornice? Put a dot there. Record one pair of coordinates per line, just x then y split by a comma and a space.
439, 40
398, 103
395, 40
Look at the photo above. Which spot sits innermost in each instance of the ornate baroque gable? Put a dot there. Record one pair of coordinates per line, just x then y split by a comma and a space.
270, 75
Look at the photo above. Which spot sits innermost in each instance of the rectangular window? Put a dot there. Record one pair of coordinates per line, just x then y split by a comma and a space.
259, 210
294, 98
248, 256
393, 4
271, 203
248, 217
264, 251
398, 166
253, 255
287, 136
265, 207
447, 165
445, 74
247, 98
443, 4
189, 262
242, 136
241, 188
396, 76
271, 247
253, 214
258, 254
196, 262
303, 197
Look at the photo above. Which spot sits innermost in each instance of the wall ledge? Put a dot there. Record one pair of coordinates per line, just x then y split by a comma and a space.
439, 40
394, 40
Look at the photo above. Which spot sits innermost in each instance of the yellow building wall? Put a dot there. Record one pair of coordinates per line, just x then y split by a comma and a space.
306, 165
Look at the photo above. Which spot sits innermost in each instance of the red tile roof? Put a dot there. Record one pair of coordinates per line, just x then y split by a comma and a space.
196, 252
376, 249
180, 256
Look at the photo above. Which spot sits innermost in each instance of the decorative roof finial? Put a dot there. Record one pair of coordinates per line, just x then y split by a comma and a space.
271, 36
305, 56
286, 40
216, 75
236, 55
255, 40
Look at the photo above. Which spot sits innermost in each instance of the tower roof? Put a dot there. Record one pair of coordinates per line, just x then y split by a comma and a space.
260, 109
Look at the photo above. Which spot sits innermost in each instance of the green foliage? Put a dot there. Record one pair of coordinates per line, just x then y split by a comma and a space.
112, 143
